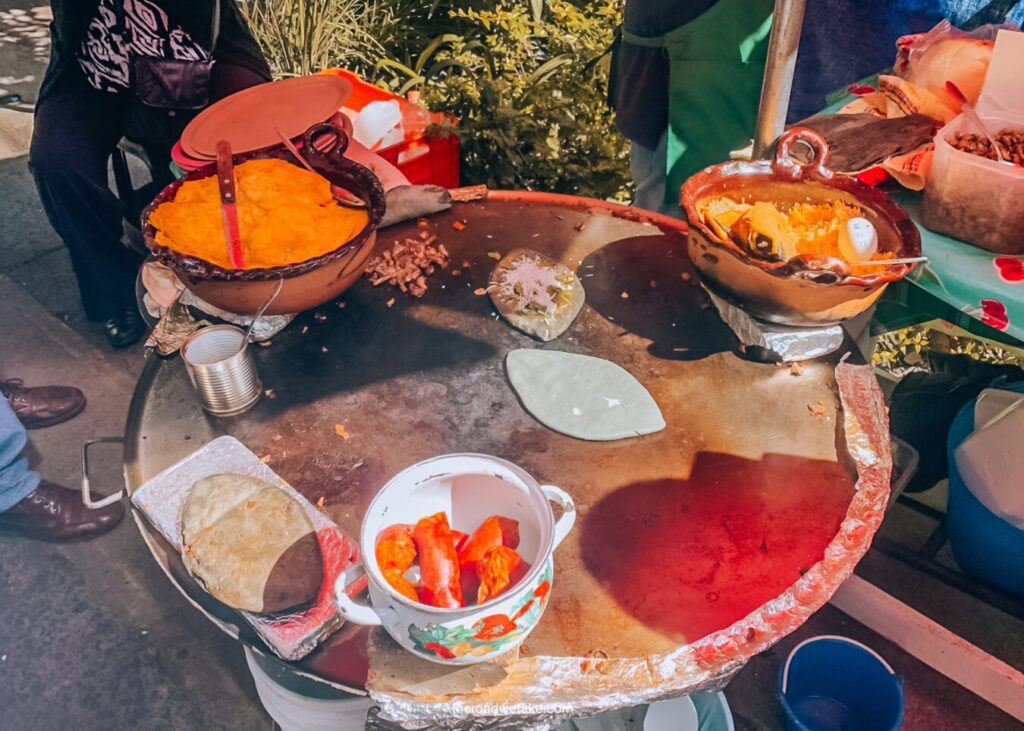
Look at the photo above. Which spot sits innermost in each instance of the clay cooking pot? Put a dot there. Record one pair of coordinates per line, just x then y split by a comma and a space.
307, 284
803, 291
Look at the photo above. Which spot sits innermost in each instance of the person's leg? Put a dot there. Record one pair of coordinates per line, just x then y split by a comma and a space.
649, 169
35, 508
16, 479
76, 129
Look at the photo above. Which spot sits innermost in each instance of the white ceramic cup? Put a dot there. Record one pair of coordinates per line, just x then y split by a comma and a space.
469, 488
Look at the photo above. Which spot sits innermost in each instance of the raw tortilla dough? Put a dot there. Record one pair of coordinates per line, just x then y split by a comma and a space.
250, 544
583, 397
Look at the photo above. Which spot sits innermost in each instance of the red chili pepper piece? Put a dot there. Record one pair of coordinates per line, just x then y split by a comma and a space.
470, 584
395, 548
495, 531
439, 563
495, 571
460, 539
401, 584
395, 553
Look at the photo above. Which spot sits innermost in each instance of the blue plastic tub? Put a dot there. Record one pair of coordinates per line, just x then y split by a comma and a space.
984, 545
831, 683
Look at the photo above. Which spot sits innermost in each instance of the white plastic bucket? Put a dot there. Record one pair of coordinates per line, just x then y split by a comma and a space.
296, 712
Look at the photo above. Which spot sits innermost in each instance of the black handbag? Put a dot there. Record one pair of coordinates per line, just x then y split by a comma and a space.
168, 92
169, 83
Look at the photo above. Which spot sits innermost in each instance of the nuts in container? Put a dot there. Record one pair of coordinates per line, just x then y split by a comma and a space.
1010, 142
969, 195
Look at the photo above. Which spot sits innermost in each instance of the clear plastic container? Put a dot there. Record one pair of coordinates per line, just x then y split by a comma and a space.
972, 198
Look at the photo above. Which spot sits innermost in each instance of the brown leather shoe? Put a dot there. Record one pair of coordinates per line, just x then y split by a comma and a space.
54, 513
43, 405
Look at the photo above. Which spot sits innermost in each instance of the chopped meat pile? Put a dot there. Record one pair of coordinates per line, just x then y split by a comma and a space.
408, 264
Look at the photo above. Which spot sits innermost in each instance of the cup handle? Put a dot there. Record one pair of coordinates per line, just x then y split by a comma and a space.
353, 611
568, 519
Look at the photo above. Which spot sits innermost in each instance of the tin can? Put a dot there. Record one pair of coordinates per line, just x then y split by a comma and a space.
222, 370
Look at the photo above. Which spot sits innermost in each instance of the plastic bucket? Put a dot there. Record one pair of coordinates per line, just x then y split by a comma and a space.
831, 683
713, 712
697, 712
315, 707
983, 544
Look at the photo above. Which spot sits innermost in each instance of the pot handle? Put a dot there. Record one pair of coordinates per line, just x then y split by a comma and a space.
353, 611
338, 146
786, 166
568, 519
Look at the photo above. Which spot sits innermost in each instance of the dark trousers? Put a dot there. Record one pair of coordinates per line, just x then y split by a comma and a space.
76, 130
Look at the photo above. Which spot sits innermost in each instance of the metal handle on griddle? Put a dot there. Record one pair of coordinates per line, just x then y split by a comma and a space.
86, 492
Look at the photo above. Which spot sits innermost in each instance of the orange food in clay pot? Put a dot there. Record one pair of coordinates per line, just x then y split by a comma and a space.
286, 215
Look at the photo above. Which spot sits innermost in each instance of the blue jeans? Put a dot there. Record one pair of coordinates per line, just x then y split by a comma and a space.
649, 168
16, 479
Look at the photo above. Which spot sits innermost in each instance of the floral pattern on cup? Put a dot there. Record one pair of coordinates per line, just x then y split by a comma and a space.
486, 635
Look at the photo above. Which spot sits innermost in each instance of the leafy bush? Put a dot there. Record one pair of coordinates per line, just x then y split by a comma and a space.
529, 89
526, 78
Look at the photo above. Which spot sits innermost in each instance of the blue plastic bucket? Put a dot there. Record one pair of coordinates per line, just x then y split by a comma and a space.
983, 544
831, 683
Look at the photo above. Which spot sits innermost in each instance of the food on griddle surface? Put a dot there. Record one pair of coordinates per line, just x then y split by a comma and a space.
250, 544
408, 263
535, 293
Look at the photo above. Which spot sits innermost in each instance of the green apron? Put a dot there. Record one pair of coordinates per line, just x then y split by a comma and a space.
716, 66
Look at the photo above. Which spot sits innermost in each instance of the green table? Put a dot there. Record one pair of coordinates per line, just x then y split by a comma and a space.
974, 289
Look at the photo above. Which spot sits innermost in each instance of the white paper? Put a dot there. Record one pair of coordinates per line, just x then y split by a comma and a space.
991, 403
991, 463
1002, 94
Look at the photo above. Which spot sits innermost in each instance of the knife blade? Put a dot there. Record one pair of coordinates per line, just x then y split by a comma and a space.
228, 204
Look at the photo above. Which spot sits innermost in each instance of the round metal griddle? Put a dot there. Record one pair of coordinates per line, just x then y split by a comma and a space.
680, 533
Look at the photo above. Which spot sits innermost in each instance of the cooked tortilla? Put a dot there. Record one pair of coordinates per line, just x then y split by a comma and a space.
250, 544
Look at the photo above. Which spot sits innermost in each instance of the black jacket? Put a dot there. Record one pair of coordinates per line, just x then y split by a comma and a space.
235, 44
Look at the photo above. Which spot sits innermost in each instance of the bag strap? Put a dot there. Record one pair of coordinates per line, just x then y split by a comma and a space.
215, 26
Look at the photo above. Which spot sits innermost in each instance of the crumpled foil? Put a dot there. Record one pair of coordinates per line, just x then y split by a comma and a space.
173, 329
265, 328
789, 343
538, 693
291, 636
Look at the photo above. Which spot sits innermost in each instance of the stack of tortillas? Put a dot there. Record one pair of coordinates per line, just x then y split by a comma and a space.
250, 544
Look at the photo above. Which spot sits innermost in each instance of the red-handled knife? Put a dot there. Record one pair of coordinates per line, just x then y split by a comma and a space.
228, 203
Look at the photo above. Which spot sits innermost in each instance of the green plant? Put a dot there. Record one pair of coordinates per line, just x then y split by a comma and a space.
527, 82
526, 78
300, 37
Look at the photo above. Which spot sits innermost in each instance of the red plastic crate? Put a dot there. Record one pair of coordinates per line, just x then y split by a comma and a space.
422, 161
